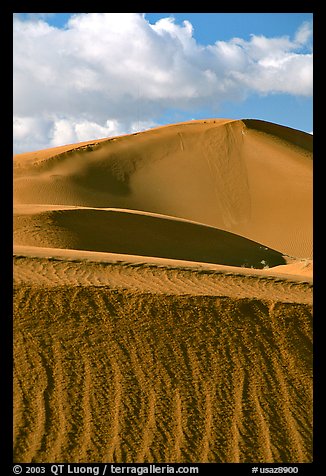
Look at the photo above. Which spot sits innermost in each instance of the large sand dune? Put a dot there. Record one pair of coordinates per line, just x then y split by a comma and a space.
220, 173
163, 297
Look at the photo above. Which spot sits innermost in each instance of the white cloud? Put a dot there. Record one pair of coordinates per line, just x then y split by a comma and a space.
30, 133
107, 73
304, 33
67, 131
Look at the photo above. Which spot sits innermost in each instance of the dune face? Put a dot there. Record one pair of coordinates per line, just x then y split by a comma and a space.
163, 297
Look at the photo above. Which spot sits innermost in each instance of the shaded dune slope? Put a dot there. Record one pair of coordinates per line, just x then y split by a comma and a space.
245, 180
120, 231
116, 376
293, 136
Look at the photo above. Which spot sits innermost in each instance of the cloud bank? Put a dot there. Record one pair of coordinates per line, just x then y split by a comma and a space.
111, 73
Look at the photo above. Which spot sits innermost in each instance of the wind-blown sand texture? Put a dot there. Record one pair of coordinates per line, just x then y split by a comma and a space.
163, 297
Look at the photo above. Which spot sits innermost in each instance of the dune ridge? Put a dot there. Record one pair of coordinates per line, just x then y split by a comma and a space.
161, 279
163, 296
298, 138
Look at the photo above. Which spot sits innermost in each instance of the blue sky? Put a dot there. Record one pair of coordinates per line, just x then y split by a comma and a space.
85, 76
209, 27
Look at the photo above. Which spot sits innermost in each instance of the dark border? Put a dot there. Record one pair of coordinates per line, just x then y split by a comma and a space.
6, 288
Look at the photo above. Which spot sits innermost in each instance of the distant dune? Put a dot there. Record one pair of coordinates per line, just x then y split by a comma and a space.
163, 297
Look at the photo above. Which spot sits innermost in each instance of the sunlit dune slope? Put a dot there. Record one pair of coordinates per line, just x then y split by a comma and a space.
122, 231
253, 178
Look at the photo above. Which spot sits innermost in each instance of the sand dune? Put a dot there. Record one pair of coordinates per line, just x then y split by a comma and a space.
163, 297
224, 174
127, 232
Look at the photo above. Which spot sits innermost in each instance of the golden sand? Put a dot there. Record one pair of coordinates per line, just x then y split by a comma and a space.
163, 297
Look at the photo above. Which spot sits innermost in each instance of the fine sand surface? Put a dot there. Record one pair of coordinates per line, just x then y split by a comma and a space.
163, 297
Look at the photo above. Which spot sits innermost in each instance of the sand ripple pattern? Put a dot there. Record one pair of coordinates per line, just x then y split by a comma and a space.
122, 376
144, 277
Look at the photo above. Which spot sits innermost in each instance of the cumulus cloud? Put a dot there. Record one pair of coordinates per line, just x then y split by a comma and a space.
67, 131
112, 73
